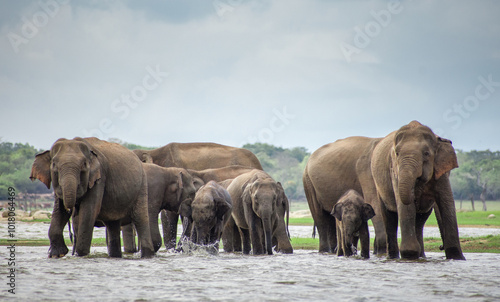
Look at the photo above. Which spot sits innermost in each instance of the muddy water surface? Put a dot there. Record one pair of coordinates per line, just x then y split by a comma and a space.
303, 276
200, 276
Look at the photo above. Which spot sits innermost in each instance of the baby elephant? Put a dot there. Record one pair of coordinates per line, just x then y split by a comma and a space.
207, 214
352, 215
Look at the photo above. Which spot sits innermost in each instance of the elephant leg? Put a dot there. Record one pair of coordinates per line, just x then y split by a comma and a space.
245, 238
283, 244
113, 239
421, 218
154, 229
128, 233
380, 242
391, 227
448, 220
86, 220
59, 220
325, 223
410, 247
340, 240
364, 236
256, 236
169, 221
140, 218
237, 239
227, 236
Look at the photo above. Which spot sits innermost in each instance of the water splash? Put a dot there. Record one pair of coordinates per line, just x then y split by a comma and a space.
188, 247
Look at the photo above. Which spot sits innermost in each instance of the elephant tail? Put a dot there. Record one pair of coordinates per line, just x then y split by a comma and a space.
310, 196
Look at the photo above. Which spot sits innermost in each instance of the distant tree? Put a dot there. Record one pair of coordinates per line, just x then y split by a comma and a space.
284, 165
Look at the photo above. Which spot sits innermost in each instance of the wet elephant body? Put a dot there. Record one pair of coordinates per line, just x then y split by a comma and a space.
207, 214
403, 176
96, 181
256, 198
195, 156
352, 215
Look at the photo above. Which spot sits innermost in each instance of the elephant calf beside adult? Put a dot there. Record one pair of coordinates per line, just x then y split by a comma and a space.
403, 176
196, 156
167, 189
256, 201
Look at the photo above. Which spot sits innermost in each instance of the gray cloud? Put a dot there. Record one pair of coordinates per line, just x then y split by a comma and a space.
230, 71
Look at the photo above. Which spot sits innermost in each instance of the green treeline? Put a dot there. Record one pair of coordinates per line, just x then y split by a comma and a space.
15, 169
478, 175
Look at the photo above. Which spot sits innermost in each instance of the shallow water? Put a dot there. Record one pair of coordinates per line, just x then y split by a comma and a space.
39, 230
202, 276
302, 276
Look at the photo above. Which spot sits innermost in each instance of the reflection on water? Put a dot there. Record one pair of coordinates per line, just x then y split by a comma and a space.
304, 275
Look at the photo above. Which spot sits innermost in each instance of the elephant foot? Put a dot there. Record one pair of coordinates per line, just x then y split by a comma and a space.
129, 251
115, 254
411, 255
393, 255
58, 251
454, 253
147, 253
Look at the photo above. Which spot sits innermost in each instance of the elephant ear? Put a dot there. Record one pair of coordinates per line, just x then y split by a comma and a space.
41, 168
180, 186
368, 212
222, 206
337, 211
185, 209
445, 159
246, 196
95, 169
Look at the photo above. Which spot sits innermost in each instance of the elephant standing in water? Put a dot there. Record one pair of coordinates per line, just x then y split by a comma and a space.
96, 181
207, 214
167, 189
403, 175
256, 198
352, 215
196, 156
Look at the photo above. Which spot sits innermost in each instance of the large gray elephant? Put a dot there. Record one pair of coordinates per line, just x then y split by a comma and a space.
256, 198
167, 189
196, 156
404, 174
207, 214
96, 181
352, 214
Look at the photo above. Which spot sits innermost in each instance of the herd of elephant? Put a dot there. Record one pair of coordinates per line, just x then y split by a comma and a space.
223, 194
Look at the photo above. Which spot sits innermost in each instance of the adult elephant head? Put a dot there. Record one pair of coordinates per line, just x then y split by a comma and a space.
418, 156
72, 168
410, 168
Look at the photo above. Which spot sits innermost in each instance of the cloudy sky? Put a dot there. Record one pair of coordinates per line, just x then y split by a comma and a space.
285, 72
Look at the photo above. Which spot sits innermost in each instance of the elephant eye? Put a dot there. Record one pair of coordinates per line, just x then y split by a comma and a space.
427, 153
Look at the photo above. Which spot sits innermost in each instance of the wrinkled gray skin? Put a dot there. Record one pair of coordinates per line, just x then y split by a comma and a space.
96, 181
196, 156
167, 189
256, 198
403, 176
352, 215
206, 214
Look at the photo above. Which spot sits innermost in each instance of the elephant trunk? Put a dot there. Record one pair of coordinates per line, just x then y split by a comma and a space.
69, 186
268, 235
349, 248
408, 175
